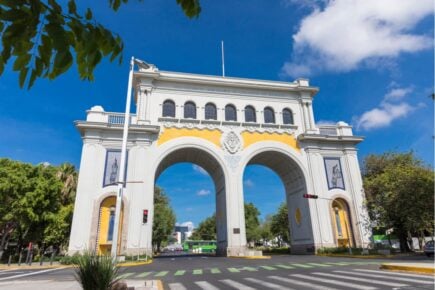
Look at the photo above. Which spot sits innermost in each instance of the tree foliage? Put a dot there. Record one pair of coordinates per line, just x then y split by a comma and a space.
206, 229
32, 205
400, 194
43, 38
164, 218
280, 225
252, 223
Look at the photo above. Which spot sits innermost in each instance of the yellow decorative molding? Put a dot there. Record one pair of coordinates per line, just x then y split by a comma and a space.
250, 138
298, 216
212, 135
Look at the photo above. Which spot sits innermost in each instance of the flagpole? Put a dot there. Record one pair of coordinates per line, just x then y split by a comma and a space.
121, 181
223, 58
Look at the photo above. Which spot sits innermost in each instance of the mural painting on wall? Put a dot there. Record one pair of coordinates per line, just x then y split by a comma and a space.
334, 173
111, 168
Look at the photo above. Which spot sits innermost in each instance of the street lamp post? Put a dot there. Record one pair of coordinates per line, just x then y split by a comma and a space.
121, 177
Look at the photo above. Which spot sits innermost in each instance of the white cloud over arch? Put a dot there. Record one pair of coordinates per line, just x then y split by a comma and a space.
342, 35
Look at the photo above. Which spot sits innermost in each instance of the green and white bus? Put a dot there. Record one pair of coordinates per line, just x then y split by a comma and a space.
199, 246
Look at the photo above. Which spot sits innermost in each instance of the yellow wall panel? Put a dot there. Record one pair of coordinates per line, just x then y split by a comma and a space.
250, 138
168, 134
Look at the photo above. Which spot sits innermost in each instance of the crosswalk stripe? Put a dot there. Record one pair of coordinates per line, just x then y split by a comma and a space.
215, 271
236, 285
161, 274
266, 284
205, 285
386, 277
144, 274
284, 266
395, 273
197, 272
233, 270
268, 268
302, 265
176, 286
179, 273
250, 269
300, 283
339, 263
361, 279
319, 265
335, 282
125, 275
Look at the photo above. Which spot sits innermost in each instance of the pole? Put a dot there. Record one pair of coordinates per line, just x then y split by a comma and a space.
121, 181
223, 58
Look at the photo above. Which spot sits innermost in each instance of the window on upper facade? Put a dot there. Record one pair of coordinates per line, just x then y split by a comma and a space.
269, 115
210, 112
190, 110
287, 116
168, 109
250, 114
230, 113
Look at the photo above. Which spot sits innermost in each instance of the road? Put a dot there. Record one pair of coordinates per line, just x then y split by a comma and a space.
279, 272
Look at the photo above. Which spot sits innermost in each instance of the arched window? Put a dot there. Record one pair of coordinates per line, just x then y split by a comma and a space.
190, 110
230, 113
168, 109
210, 112
343, 226
287, 116
269, 115
250, 114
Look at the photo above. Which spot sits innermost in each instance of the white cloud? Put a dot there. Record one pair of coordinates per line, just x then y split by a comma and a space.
387, 111
342, 35
249, 183
203, 192
199, 169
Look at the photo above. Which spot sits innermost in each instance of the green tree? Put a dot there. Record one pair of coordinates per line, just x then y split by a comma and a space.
206, 229
252, 223
43, 37
280, 226
265, 229
399, 191
164, 218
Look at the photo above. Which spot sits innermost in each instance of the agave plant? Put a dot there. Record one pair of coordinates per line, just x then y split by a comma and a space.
95, 272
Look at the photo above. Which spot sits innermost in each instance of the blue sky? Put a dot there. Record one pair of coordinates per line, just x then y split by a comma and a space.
373, 61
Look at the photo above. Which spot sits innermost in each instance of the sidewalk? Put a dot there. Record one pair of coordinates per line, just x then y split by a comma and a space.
35, 265
426, 267
72, 285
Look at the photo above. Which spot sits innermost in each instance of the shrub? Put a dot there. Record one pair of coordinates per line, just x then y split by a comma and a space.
95, 272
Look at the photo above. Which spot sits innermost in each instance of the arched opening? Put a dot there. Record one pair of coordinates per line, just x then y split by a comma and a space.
190, 110
210, 112
294, 183
342, 224
250, 114
230, 113
287, 117
168, 109
106, 222
269, 115
209, 164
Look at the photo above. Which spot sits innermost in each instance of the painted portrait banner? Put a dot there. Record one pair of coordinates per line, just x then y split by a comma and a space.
112, 167
334, 174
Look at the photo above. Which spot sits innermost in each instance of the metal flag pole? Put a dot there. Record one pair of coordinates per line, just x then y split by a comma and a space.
223, 58
121, 181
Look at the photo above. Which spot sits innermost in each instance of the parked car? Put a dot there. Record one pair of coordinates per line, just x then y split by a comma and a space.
429, 248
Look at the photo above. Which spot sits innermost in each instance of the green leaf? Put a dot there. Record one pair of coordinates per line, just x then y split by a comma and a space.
191, 8
56, 7
88, 14
22, 76
72, 8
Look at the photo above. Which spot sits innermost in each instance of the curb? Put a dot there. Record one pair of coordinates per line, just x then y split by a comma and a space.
413, 269
357, 256
251, 257
36, 267
132, 264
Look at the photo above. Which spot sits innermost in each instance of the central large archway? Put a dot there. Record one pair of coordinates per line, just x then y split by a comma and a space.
292, 175
215, 169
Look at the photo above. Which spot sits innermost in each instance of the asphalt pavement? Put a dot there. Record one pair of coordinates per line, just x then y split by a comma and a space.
212, 273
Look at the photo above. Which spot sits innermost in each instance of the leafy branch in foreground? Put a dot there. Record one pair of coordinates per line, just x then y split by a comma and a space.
42, 38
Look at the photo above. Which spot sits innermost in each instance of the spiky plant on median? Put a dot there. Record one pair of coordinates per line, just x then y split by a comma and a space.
95, 272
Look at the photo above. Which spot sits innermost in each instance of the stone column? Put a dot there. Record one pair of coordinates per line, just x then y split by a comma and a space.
143, 93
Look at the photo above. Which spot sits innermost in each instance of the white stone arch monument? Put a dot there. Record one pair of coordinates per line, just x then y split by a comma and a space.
309, 159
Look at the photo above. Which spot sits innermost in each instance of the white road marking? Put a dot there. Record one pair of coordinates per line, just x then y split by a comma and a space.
391, 284
29, 274
301, 283
176, 286
395, 273
11, 272
266, 284
236, 285
335, 282
205, 285
386, 277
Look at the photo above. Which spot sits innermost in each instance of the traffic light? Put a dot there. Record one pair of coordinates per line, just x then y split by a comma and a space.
306, 195
145, 216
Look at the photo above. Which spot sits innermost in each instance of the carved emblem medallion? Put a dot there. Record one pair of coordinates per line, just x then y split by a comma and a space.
231, 142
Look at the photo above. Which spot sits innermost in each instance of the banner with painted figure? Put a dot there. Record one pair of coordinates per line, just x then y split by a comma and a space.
112, 167
334, 174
